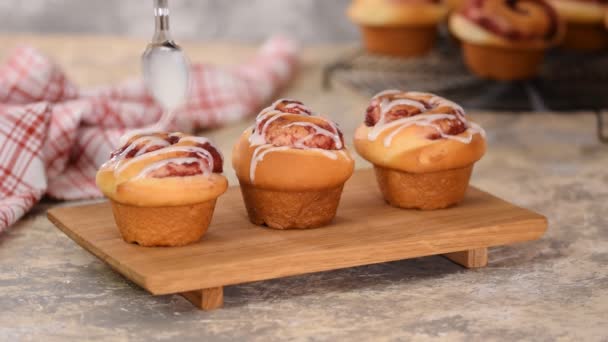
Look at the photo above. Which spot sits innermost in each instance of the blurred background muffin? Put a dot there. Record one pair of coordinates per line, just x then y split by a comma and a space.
506, 40
402, 28
585, 30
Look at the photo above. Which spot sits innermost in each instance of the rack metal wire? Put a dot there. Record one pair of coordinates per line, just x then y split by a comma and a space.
567, 82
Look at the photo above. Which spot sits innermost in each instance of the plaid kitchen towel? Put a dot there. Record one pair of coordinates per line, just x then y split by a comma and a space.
54, 136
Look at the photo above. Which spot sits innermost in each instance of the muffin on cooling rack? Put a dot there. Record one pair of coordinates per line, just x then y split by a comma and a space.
402, 28
163, 187
585, 30
422, 147
506, 40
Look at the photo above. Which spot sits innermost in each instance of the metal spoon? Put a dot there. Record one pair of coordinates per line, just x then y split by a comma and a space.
165, 66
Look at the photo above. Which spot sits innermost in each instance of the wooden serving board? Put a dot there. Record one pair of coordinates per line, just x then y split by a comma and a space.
365, 231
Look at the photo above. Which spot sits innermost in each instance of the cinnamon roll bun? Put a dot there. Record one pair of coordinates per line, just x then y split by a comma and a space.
291, 167
401, 28
163, 187
422, 147
584, 19
506, 39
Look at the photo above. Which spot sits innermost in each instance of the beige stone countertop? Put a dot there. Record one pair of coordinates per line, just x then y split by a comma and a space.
555, 288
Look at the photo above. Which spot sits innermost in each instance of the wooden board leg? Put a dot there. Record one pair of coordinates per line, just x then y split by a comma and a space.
471, 258
206, 299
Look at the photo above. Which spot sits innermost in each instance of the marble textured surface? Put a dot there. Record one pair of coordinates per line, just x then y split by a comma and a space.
552, 289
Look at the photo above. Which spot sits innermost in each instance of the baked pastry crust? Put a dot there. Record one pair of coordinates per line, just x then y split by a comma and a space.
422, 147
516, 24
288, 167
163, 187
124, 180
291, 167
163, 226
407, 148
421, 190
397, 13
582, 12
468, 31
411, 152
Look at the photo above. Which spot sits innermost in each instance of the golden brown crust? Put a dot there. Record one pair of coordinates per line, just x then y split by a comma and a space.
411, 151
291, 169
155, 192
163, 169
427, 191
394, 14
163, 226
502, 64
291, 209
455, 5
585, 37
385, 40
582, 12
422, 147
467, 31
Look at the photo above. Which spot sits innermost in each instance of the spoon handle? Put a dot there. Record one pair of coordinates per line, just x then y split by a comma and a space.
161, 18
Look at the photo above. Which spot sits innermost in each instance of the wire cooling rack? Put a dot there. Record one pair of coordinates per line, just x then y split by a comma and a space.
567, 82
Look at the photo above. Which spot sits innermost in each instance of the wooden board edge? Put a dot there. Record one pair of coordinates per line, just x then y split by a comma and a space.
153, 286
471, 258
52, 216
206, 299
159, 287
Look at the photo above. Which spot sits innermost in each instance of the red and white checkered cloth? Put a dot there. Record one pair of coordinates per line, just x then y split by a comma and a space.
54, 136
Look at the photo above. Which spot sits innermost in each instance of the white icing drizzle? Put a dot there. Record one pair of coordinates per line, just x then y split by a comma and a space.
146, 132
291, 104
318, 131
387, 92
203, 141
258, 156
120, 163
148, 140
258, 137
421, 119
269, 115
180, 148
162, 163
400, 102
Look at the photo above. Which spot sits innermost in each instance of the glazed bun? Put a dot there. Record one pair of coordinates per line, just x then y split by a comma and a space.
418, 132
399, 28
515, 24
291, 149
585, 30
163, 187
163, 169
291, 166
422, 147
506, 40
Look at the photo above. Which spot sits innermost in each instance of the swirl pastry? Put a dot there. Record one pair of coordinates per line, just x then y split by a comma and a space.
584, 23
291, 166
163, 187
401, 28
422, 146
506, 39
